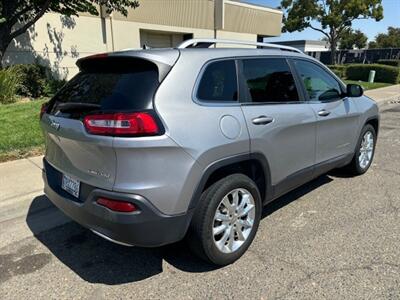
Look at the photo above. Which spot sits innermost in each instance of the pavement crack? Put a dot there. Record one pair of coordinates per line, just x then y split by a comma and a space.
295, 266
387, 170
35, 164
368, 267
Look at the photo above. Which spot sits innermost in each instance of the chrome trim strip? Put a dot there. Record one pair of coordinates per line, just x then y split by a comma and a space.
110, 239
193, 42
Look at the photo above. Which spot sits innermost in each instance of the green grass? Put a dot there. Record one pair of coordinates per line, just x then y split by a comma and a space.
367, 85
20, 133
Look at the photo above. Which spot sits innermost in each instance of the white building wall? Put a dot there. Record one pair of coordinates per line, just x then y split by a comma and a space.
57, 41
227, 35
127, 33
316, 48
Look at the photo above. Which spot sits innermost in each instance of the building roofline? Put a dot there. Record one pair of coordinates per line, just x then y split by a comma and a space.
254, 6
300, 42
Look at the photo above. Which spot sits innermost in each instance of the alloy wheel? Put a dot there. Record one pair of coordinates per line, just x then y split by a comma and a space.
233, 220
366, 150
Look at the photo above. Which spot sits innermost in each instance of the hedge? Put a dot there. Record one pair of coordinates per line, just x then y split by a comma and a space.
389, 62
339, 70
384, 73
33, 80
36, 81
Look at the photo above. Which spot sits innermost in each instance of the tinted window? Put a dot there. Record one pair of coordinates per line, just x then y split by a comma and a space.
269, 80
218, 82
107, 85
320, 86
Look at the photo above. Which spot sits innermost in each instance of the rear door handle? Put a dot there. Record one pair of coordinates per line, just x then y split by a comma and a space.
262, 120
324, 113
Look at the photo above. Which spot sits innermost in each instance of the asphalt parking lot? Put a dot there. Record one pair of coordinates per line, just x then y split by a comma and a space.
334, 238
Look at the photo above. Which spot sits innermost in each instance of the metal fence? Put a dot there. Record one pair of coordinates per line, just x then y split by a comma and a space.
357, 56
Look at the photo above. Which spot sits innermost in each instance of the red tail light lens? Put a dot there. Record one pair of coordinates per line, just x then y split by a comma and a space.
43, 109
122, 124
116, 205
99, 55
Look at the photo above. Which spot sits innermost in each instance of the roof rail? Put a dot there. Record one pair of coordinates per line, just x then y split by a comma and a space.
205, 43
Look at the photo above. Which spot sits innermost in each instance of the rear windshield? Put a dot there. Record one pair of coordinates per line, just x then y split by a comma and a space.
107, 85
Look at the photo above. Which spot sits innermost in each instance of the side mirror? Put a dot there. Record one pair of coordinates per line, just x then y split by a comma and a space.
354, 90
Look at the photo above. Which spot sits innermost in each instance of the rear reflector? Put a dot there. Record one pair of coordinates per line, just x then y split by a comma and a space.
116, 205
43, 109
121, 124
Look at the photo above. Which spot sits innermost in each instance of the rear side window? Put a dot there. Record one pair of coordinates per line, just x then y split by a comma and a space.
107, 85
219, 82
269, 80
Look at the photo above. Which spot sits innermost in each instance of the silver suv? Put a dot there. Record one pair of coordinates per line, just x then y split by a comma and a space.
146, 147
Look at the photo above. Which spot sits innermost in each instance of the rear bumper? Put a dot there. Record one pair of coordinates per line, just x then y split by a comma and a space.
146, 227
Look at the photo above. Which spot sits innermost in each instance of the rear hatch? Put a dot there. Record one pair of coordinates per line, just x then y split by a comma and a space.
106, 88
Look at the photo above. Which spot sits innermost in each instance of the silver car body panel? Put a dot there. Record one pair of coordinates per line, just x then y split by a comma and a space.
72, 151
334, 137
289, 136
174, 101
157, 169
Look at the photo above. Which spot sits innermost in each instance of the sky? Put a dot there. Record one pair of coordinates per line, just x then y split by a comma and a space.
391, 17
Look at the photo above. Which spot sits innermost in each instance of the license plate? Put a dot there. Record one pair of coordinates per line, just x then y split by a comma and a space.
70, 185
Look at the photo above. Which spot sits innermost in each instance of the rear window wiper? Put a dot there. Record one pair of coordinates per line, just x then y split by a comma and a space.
64, 107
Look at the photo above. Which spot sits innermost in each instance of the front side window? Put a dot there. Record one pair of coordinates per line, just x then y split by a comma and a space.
219, 82
269, 80
320, 86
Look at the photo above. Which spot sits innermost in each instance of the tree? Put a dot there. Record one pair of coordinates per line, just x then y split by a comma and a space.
391, 39
334, 16
351, 39
16, 16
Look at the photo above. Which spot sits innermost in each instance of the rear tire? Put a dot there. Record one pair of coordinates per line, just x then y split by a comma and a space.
365, 151
226, 220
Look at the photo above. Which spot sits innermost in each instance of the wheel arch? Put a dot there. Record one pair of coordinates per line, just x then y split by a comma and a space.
374, 122
254, 165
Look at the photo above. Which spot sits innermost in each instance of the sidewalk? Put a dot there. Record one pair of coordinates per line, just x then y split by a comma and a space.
20, 182
21, 197
385, 95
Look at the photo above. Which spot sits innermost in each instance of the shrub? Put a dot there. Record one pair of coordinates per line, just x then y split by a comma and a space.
37, 81
53, 86
9, 84
384, 73
339, 70
33, 80
389, 62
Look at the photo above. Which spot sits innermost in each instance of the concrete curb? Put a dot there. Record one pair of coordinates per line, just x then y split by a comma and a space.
385, 94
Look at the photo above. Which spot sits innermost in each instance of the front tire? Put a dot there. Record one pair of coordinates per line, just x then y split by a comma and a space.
226, 220
364, 152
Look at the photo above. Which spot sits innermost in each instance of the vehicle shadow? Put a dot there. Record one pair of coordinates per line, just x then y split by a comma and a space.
340, 173
297, 193
98, 261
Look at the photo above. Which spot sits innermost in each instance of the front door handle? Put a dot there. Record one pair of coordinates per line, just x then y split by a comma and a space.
324, 113
262, 120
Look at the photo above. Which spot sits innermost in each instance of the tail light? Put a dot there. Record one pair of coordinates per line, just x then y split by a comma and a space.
43, 109
117, 205
121, 124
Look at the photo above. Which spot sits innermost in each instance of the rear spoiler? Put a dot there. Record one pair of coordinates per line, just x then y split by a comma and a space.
163, 59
